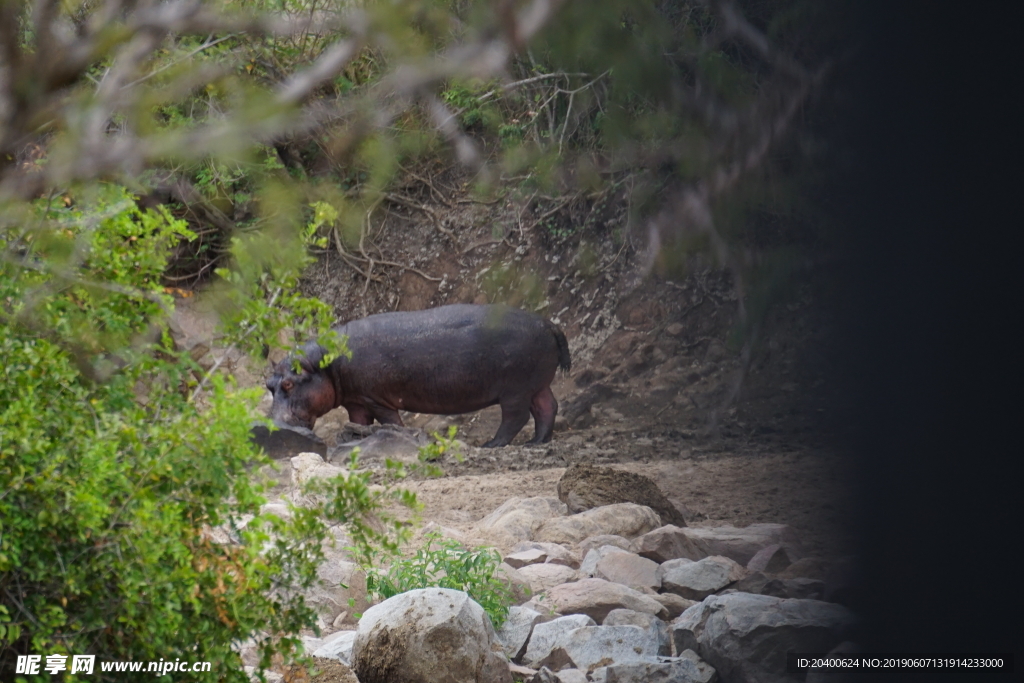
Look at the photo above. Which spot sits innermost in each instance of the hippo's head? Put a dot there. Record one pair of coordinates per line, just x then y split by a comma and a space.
302, 393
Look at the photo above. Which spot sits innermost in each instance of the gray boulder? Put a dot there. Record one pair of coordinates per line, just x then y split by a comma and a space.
411, 637
590, 647
746, 637
771, 559
654, 626
688, 668
669, 543
599, 540
741, 544
758, 583
629, 569
674, 604
286, 441
526, 557
548, 635
515, 633
697, 580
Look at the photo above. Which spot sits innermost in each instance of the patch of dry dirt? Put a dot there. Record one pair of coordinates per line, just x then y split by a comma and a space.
806, 490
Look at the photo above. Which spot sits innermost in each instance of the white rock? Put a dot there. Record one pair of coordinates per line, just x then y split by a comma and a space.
308, 466
411, 637
337, 646
630, 570
591, 542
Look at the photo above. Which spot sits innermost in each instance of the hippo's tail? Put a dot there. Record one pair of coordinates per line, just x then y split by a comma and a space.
564, 361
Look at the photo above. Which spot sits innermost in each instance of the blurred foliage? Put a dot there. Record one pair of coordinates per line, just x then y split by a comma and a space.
115, 485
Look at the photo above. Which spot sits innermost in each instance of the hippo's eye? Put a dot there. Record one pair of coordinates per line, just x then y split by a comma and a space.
286, 385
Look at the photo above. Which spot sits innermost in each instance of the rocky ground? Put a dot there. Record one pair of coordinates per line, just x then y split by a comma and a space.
658, 385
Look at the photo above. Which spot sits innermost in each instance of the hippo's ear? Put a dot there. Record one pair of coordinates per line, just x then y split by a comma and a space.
310, 361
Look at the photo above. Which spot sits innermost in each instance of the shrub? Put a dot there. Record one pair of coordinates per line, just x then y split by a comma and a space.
444, 563
114, 486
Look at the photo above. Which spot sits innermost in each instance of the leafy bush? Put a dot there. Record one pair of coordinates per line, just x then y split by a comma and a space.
444, 563
114, 486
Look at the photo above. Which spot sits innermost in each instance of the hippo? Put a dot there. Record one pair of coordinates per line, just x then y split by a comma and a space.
444, 361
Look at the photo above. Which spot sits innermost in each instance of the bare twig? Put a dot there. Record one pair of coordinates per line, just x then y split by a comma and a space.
405, 201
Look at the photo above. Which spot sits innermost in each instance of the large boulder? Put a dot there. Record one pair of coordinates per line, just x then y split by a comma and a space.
597, 597
590, 647
623, 519
548, 635
669, 543
585, 486
687, 668
741, 544
541, 577
654, 626
771, 559
781, 588
517, 519
591, 542
515, 633
628, 569
746, 637
697, 580
411, 637
674, 604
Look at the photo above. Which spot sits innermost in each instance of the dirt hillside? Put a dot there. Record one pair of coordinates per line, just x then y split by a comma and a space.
656, 384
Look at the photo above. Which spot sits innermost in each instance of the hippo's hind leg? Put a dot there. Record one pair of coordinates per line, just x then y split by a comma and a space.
514, 416
543, 407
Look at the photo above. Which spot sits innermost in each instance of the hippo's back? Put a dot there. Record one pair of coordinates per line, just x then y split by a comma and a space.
473, 352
